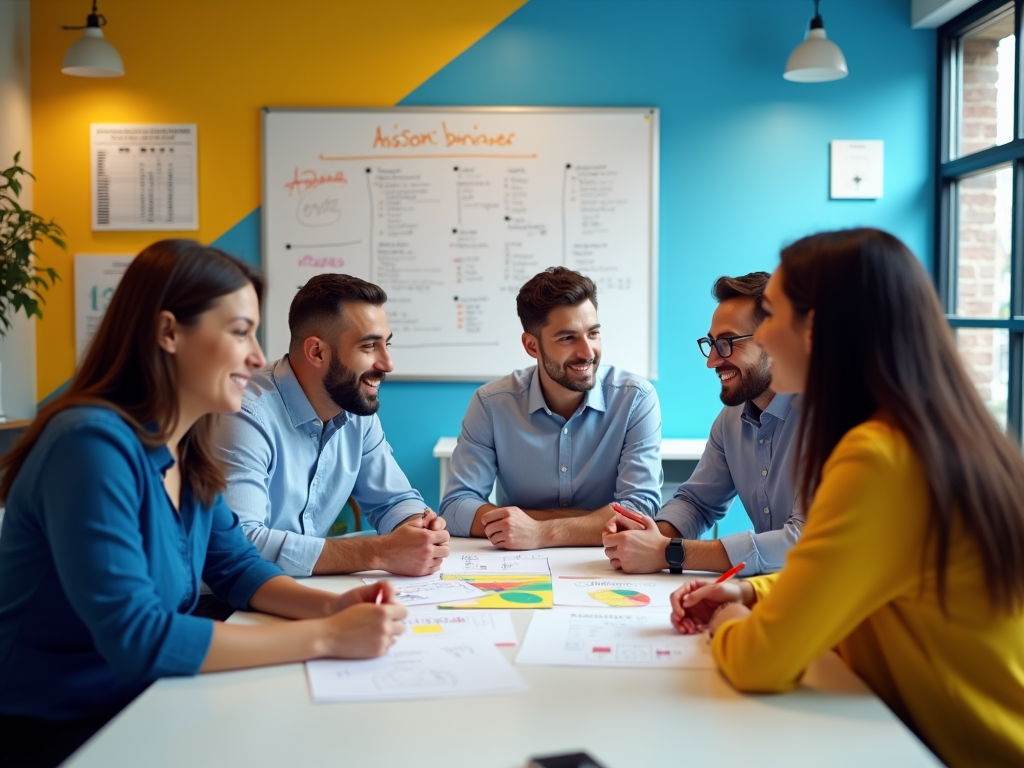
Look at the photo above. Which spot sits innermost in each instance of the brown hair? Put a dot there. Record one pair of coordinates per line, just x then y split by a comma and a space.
554, 287
318, 306
126, 371
880, 341
748, 286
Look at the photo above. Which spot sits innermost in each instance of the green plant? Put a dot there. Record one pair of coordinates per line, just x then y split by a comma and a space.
21, 281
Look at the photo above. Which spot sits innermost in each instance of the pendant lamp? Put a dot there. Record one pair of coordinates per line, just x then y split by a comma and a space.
817, 59
91, 55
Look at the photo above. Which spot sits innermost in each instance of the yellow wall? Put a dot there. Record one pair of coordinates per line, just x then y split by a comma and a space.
215, 63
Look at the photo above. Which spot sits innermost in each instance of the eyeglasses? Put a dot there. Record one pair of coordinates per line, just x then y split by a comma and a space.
723, 345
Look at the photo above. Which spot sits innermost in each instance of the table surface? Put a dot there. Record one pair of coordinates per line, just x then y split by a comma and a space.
672, 448
626, 718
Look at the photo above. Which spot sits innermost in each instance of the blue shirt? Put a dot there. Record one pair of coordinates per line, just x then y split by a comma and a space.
98, 571
290, 475
752, 455
608, 450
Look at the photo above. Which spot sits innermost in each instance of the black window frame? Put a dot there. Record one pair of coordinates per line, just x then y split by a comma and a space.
950, 171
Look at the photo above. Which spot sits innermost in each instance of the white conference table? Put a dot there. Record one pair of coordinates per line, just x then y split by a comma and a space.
626, 718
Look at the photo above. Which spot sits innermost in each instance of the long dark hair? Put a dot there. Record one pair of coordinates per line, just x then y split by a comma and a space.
880, 341
125, 369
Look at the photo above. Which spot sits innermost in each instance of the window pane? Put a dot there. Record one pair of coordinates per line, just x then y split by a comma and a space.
985, 85
986, 353
984, 208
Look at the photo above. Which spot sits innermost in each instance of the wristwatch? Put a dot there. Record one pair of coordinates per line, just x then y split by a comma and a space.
675, 553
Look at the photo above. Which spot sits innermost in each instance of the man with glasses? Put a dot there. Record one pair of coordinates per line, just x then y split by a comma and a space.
749, 453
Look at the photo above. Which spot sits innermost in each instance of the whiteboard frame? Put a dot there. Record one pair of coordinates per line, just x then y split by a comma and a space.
653, 223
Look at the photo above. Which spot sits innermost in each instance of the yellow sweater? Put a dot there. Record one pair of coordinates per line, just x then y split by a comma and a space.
855, 583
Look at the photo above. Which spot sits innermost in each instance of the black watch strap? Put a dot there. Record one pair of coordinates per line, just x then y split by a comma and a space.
675, 553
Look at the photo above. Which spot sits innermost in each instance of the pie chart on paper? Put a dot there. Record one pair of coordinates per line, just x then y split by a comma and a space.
621, 598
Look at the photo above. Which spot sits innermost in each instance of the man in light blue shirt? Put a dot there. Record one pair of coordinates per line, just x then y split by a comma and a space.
562, 439
750, 453
308, 438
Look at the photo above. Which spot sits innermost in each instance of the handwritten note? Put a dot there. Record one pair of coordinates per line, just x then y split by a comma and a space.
499, 562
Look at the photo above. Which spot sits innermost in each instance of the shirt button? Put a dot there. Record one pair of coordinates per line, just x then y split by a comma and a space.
565, 431
764, 473
766, 510
761, 441
563, 469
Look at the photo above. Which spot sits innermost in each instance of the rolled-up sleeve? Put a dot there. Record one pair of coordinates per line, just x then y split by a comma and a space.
640, 470
119, 602
474, 466
704, 499
234, 569
246, 448
764, 552
382, 489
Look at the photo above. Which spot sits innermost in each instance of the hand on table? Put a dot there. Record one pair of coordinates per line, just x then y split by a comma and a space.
415, 548
511, 528
632, 547
694, 603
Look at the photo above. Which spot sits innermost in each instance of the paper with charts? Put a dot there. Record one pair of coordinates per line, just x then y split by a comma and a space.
417, 668
496, 562
590, 592
429, 590
586, 637
504, 591
493, 626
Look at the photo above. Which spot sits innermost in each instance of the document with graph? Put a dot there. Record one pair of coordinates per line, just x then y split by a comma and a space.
590, 592
618, 637
417, 667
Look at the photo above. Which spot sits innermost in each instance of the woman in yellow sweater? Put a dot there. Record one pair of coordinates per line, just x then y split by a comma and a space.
911, 563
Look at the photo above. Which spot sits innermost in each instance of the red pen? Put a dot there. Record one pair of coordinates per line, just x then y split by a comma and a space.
730, 573
628, 513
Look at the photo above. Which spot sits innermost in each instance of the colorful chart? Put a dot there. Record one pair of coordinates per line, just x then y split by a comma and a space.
505, 591
621, 598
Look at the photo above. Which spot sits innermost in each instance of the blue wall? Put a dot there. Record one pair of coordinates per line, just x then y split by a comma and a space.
744, 153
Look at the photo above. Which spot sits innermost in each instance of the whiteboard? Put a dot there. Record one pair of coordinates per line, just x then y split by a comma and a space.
451, 210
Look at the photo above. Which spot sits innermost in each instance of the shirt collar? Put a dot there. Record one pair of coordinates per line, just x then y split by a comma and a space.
779, 408
160, 457
300, 411
594, 398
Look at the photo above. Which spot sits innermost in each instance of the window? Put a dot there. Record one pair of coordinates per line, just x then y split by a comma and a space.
980, 201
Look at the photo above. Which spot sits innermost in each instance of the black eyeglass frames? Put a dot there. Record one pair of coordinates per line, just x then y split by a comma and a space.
722, 344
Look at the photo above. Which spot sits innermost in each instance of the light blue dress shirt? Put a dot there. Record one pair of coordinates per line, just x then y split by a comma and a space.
608, 450
98, 571
751, 455
290, 475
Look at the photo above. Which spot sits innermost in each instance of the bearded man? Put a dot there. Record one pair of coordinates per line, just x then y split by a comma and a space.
749, 453
308, 438
558, 441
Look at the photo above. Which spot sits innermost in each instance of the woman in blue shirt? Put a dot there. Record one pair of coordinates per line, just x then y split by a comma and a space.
114, 514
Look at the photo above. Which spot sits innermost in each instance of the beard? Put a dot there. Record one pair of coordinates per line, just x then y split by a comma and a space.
561, 376
754, 380
344, 387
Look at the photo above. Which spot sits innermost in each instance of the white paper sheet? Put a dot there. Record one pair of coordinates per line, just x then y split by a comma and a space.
417, 668
591, 592
502, 562
429, 590
583, 637
494, 626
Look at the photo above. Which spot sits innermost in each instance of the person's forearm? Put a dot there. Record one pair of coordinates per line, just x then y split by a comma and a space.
667, 529
583, 529
348, 556
239, 647
283, 596
477, 528
705, 556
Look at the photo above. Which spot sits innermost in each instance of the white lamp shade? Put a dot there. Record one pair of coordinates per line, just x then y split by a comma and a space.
816, 60
92, 56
